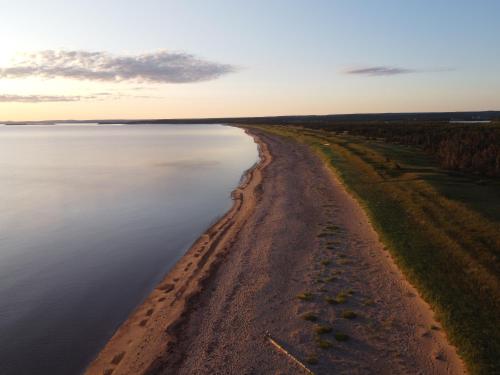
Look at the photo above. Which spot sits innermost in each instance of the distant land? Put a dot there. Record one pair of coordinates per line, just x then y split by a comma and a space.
407, 116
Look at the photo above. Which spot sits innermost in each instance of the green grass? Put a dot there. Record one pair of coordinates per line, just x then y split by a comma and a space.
442, 228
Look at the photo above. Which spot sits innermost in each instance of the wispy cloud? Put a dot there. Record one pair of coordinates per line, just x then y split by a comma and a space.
379, 71
6, 98
157, 67
391, 70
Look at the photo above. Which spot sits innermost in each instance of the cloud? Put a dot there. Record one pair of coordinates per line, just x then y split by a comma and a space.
391, 71
157, 67
380, 71
6, 98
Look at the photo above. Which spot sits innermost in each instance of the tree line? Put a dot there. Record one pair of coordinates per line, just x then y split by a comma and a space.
471, 148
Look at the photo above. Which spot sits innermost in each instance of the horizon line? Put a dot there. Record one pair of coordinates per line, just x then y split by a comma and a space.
103, 120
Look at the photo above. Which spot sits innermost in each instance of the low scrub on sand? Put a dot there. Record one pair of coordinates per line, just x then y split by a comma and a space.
348, 314
338, 299
312, 359
310, 316
339, 336
323, 343
322, 329
306, 296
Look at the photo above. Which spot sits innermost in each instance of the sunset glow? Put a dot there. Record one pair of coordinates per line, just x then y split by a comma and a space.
163, 59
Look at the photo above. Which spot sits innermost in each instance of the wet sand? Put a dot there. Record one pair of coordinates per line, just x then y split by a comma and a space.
293, 229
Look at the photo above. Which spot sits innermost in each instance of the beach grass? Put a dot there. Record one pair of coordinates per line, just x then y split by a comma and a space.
310, 317
339, 336
348, 314
305, 296
323, 343
312, 359
322, 329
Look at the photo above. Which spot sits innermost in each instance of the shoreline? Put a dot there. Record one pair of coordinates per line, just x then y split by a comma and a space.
141, 341
276, 244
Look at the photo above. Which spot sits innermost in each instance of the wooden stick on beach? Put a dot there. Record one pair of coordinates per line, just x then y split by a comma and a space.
282, 350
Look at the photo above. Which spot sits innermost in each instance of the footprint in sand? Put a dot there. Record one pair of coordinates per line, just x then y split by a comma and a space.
117, 358
166, 288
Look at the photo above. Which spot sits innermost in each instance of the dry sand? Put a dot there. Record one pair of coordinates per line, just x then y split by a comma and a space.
239, 282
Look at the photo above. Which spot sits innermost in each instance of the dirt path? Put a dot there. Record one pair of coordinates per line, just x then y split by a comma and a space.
305, 234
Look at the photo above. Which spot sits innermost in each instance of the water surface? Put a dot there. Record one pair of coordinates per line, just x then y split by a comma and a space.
91, 218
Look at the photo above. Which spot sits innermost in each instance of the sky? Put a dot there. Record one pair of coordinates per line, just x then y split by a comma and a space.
195, 58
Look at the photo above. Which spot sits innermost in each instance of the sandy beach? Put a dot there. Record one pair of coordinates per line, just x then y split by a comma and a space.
231, 306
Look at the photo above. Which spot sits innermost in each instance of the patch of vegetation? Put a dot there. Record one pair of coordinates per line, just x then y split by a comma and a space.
341, 297
306, 296
339, 336
369, 302
332, 228
322, 329
330, 300
348, 314
338, 299
326, 262
312, 359
310, 317
323, 343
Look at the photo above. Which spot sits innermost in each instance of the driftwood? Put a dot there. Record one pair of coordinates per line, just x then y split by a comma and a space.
285, 352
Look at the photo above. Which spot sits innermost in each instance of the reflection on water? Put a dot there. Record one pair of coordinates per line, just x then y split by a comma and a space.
91, 218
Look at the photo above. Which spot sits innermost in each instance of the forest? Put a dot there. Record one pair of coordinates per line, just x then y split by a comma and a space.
466, 147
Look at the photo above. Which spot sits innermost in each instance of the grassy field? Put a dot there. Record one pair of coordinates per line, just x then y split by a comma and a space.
442, 228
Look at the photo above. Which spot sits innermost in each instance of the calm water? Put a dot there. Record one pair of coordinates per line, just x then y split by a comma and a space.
91, 218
